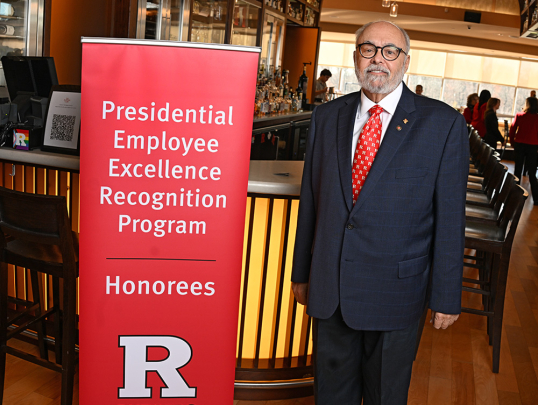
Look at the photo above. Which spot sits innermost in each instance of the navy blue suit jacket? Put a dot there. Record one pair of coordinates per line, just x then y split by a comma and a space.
375, 258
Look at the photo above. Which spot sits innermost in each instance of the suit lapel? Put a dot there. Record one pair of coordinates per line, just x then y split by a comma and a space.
396, 132
346, 122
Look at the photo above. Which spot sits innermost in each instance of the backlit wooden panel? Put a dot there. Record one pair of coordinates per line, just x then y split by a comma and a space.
272, 326
274, 333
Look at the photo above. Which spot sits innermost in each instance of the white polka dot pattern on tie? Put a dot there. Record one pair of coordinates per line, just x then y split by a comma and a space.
367, 147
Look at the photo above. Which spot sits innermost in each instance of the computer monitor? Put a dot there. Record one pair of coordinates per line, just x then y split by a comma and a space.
29, 80
29, 75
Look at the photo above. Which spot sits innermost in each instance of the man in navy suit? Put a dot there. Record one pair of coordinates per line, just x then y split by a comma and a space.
381, 225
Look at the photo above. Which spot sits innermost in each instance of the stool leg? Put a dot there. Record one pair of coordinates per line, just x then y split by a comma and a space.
490, 277
57, 319
68, 355
3, 325
40, 326
498, 307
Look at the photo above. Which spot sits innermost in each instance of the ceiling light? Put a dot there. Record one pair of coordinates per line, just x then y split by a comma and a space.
394, 10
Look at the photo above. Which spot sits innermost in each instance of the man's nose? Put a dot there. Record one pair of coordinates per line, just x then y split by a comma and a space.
378, 58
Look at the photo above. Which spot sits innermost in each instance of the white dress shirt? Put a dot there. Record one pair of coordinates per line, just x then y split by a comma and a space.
389, 104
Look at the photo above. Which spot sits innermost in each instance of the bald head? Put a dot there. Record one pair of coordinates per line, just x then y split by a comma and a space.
389, 25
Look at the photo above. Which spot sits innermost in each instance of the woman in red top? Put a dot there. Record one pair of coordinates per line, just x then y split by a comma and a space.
478, 113
524, 139
472, 99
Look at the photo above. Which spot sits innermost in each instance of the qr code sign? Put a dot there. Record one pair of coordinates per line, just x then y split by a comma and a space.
62, 127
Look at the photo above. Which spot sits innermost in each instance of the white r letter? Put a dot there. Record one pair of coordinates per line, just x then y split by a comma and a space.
136, 366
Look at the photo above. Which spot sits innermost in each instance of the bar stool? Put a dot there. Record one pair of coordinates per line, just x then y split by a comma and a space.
35, 233
492, 242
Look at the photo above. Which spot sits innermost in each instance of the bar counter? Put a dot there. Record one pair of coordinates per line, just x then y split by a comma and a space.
274, 333
261, 122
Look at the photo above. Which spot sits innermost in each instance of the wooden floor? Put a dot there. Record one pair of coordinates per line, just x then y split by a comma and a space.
452, 366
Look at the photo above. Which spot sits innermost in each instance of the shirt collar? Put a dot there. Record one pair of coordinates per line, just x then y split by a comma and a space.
389, 103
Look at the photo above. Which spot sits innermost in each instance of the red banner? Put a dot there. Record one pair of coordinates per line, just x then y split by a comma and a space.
165, 145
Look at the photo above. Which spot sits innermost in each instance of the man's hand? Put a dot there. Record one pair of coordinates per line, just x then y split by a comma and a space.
300, 291
442, 321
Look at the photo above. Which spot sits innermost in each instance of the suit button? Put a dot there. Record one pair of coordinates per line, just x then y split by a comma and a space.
350, 226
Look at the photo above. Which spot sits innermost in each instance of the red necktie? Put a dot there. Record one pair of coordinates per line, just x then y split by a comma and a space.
367, 147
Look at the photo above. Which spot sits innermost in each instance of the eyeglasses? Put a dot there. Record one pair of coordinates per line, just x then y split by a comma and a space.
389, 52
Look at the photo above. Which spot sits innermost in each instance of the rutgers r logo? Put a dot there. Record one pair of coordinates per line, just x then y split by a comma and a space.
136, 366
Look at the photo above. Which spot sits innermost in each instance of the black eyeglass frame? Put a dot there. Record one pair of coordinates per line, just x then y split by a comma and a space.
400, 50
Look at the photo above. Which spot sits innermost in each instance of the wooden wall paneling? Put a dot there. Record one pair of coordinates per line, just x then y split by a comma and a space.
51, 182
290, 331
74, 213
263, 285
7, 178
69, 21
229, 22
301, 45
122, 19
277, 310
46, 27
29, 179
261, 18
315, 70
40, 175
18, 178
246, 273
304, 336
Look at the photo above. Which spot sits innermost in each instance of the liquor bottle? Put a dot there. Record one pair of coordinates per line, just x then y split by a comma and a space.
278, 77
303, 81
285, 77
265, 107
294, 104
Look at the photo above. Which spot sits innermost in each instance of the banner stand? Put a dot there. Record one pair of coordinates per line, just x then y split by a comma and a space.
165, 146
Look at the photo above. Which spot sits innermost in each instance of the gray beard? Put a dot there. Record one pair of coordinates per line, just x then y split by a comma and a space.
388, 84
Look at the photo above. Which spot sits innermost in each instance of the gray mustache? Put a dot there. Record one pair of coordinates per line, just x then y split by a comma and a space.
377, 69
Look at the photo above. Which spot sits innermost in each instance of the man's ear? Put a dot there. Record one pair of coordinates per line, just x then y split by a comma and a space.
407, 59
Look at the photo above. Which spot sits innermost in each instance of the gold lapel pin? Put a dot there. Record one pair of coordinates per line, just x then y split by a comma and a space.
405, 121
399, 128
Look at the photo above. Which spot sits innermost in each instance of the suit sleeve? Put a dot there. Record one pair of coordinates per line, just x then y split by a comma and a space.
306, 221
449, 214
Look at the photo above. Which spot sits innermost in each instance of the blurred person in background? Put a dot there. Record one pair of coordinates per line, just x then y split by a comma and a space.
524, 139
419, 89
478, 113
472, 99
321, 85
493, 135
